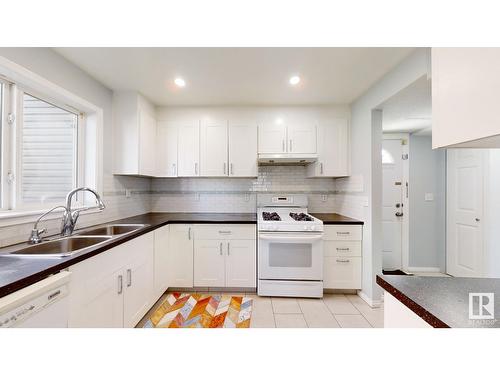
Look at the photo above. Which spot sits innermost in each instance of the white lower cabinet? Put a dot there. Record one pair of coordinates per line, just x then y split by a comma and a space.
342, 263
180, 256
209, 263
161, 254
115, 288
241, 264
225, 256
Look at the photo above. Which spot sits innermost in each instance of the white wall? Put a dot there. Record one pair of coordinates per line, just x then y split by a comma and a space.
366, 138
427, 235
53, 67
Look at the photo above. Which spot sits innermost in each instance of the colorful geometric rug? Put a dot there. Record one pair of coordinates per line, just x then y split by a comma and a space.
184, 310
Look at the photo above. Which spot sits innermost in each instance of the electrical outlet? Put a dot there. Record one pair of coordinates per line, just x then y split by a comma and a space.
197, 197
324, 197
247, 197
128, 193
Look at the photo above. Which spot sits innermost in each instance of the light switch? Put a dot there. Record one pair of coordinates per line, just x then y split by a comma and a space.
429, 197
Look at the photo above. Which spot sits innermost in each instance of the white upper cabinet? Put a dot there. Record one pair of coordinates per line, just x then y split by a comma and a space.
292, 138
301, 139
188, 150
465, 86
214, 149
272, 138
166, 150
242, 150
134, 135
333, 150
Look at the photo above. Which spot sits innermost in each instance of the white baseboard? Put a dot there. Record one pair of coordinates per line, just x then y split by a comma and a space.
424, 269
368, 300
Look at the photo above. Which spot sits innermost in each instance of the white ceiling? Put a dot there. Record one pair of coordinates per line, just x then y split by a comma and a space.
410, 110
239, 76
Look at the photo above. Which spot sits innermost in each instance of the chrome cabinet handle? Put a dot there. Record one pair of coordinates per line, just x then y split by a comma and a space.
342, 260
196, 168
120, 284
225, 232
290, 145
232, 170
173, 169
129, 277
321, 168
228, 253
283, 145
224, 168
220, 248
189, 233
342, 249
343, 233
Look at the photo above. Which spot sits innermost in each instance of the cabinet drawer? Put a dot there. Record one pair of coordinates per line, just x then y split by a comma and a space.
343, 232
342, 248
342, 273
224, 232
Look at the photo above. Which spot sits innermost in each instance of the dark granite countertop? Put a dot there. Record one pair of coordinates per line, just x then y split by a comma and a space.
332, 218
19, 272
442, 301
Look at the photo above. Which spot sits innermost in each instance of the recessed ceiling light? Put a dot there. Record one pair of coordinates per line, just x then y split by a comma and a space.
180, 82
294, 80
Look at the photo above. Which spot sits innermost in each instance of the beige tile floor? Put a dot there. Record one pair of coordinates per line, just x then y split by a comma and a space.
332, 311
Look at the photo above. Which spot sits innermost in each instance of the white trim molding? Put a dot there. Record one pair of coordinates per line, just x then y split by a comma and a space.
424, 269
368, 300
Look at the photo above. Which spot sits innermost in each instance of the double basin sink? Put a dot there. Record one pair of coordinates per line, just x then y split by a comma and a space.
80, 241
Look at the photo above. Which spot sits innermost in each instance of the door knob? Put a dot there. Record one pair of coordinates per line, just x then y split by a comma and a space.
399, 214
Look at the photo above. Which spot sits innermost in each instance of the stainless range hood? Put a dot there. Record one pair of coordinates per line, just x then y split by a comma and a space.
287, 159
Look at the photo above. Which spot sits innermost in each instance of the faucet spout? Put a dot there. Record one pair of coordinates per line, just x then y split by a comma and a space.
71, 216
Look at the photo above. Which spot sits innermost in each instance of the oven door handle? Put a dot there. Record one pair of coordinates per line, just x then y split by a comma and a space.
290, 238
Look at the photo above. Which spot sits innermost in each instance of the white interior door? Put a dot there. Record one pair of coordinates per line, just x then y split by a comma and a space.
392, 201
464, 250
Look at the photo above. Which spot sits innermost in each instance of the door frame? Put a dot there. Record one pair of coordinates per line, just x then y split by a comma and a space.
405, 225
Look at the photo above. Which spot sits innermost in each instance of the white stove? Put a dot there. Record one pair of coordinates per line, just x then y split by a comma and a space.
290, 247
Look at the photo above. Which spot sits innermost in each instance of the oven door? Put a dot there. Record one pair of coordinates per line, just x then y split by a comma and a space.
291, 256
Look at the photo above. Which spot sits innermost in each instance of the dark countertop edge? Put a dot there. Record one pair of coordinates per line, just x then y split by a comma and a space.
338, 220
412, 305
77, 258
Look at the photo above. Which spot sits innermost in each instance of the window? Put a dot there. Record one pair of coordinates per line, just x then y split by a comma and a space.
48, 152
40, 147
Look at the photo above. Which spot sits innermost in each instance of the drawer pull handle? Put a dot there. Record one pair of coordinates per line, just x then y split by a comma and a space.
53, 295
342, 260
343, 249
225, 232
343, 233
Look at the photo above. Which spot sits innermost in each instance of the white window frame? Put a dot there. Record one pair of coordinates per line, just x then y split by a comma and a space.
90, 136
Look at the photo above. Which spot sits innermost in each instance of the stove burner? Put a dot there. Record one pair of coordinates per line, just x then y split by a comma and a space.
271, 216
300, 217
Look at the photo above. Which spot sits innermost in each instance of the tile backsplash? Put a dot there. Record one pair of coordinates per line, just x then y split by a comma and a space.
344, 196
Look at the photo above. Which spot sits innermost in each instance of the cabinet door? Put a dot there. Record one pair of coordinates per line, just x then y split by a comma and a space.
209, 263
241, 264
147, 143
302, 138
342, 272
161, 240
242, 150
213, 146
272, 138
96, 292
188, 150
180, 256
166, 150
138, 288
